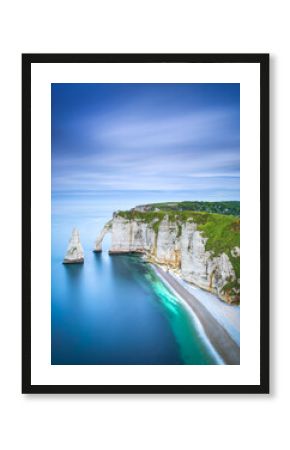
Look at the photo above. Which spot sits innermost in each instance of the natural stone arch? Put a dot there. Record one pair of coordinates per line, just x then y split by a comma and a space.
105, 230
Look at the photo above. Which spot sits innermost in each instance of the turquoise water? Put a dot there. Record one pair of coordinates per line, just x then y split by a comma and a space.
115, 309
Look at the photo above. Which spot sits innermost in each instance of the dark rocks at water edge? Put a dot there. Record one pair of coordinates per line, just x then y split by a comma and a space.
76, 261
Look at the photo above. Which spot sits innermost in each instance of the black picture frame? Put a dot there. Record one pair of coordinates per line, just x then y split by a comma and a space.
27, 61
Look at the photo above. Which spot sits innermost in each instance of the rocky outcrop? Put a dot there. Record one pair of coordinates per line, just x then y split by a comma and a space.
179, 245
105, 230
75, 252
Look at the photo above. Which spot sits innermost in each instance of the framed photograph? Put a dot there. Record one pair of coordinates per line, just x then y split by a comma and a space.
145, 253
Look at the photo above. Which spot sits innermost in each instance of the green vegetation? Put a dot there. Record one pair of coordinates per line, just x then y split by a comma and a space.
229, 208
221, 230
147, 217
173, 216
223, 234
232, 286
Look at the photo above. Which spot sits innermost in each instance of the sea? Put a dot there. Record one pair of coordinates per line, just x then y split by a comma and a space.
114, 310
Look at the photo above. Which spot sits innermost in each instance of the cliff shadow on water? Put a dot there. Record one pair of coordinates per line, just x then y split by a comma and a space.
192, 346
73, 272
116, 310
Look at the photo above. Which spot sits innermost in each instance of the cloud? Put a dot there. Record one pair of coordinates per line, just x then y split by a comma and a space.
143, 133
149, 150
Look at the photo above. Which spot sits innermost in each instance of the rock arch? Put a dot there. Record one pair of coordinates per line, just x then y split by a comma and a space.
105, 230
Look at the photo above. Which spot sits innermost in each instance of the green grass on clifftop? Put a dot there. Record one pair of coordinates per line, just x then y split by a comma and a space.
229, 208
223, 234
222, 231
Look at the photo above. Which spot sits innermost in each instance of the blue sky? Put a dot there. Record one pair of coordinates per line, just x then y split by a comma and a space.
182, 139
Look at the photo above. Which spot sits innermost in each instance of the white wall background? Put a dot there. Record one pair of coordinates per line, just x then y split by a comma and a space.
130, 422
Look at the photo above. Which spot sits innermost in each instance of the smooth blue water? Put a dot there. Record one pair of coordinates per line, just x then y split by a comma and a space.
113, 309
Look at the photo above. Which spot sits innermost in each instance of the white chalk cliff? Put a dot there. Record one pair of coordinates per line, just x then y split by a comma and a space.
75, 252
178, 245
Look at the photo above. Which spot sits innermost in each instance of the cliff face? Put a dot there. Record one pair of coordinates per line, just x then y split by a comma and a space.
178, 244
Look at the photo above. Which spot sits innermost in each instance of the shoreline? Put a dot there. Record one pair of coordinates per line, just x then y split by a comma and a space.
221, 341
227, 315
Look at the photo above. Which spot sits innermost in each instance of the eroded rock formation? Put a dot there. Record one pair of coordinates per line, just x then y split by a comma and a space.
75, 252
178, 245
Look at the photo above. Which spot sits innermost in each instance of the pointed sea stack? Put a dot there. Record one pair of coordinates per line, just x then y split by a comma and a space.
75, 252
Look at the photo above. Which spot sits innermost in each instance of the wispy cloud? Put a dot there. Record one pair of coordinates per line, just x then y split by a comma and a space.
167, 149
